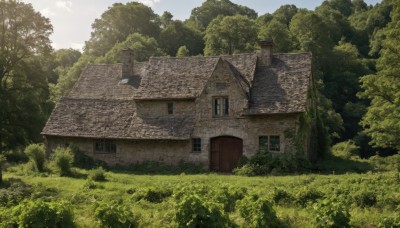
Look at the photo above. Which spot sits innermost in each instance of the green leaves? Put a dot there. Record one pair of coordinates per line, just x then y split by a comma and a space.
382, 120
229, 35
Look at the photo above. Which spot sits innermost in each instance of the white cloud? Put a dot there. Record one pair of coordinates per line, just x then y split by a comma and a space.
47, 12
78, 46
66, 5
149, 2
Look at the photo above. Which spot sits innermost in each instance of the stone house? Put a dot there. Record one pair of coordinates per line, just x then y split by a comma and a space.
205, 110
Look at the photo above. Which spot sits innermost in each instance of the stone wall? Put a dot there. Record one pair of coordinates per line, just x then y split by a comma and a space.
130, 151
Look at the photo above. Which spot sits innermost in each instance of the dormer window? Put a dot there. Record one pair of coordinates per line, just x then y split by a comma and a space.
220, 106
170, 108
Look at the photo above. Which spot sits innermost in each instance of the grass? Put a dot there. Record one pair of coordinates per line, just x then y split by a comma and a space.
118, 185
85, 194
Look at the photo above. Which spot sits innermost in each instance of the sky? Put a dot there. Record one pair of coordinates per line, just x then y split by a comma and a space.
72, 19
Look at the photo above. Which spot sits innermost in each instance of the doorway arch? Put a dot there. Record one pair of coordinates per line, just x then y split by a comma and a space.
225, 152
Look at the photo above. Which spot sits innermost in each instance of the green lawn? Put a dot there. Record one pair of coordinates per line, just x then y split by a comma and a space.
369, 197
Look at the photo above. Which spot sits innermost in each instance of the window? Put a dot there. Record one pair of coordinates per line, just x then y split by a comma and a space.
105, 147
272, 143
170, 107
196, 145
263, 142
221, 106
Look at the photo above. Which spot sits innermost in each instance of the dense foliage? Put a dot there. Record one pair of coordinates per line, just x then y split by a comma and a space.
129, 200
345, 37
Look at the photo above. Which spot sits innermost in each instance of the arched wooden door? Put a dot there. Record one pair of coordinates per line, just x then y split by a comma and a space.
225, 153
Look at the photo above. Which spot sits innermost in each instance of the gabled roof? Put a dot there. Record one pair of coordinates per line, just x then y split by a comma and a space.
283, 86
185, 77
102, 103
115, 119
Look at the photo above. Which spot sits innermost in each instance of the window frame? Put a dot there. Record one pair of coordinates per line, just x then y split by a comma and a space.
220, 106
270, 146
196, 145
107, 146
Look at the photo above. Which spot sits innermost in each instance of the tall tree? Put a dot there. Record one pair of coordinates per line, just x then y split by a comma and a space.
279, 33
229, 35
211, 9
24, 41
177, 34
285, 13
143, 46
382, 120
117, 23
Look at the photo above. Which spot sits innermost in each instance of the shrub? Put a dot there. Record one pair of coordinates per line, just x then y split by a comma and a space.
280, 196
194, 211
97, 174
245, 170
152, 195
16, 192
243, 161
365, 198
83, 161
307, 195
41, 214
227, 196
390, 222
115, 214
63, 159
345, 149
331, 213
258, 212
37, 154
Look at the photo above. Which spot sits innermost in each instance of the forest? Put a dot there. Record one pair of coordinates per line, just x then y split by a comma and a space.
354, 45
356, 183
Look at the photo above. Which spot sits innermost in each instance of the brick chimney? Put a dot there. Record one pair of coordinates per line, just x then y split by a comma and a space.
266, 51
127, 60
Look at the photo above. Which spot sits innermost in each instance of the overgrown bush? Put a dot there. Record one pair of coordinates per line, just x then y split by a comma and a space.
97, 174
13, 194
195, 211
81, 160
331, 213
281, 196
365, 198
228, 196
37, 154
153, 195
115, 214
263, 163
345, 149
153, 167
63, 159
307, 195
258, 212
42, 214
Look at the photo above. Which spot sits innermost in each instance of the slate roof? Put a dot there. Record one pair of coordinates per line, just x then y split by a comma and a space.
115, 119
102, 103
283, 86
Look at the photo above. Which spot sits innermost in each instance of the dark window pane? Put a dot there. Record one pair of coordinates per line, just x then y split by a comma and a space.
274, 143
170, 108
105, 146
217, 107
226, 106
196, 144
263, 142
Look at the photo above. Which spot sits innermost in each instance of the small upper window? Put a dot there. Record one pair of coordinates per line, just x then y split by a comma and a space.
105, 147
170, 107
221, 106
196, 145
